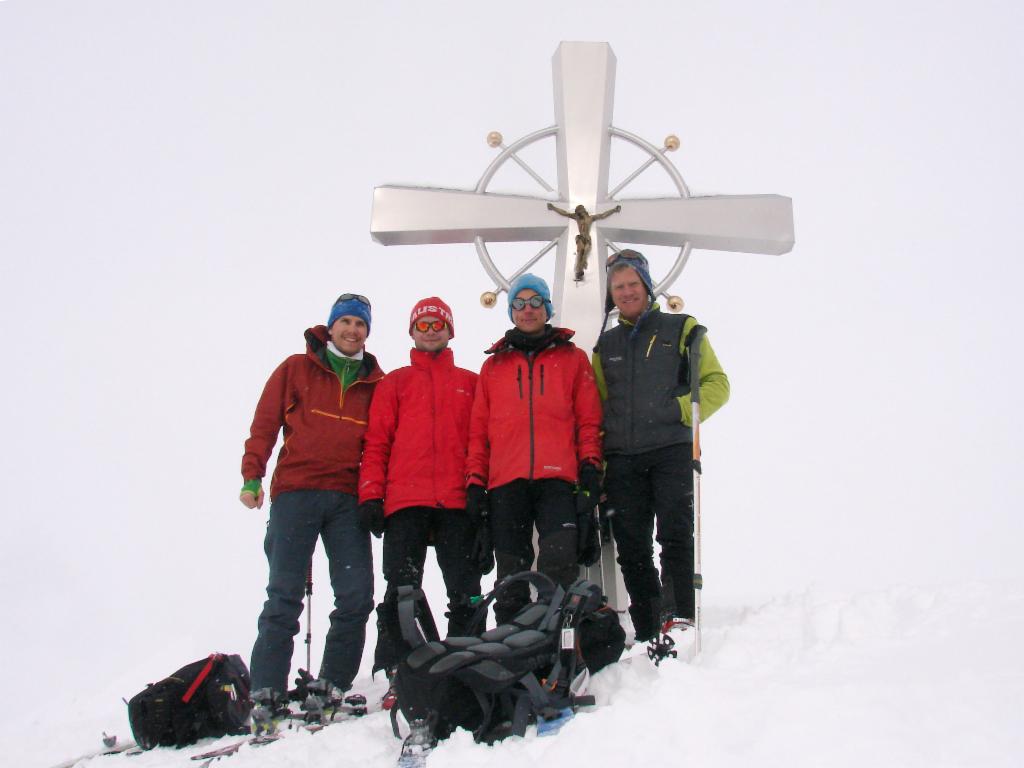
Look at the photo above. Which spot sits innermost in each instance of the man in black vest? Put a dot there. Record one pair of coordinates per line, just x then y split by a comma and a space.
642, 374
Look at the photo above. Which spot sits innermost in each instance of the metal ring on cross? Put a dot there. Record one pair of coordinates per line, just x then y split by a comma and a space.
654, 154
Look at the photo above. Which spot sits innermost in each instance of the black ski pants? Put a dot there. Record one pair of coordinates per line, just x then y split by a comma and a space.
407, 534
655, 487
515, 508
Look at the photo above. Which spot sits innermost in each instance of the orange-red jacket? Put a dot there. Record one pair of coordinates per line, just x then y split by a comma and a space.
323, 427
535, 416
415, 449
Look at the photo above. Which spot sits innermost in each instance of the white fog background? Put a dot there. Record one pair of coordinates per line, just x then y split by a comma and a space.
186, 186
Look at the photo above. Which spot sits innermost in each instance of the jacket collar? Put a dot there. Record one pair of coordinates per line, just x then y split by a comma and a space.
640, 320
552, 337
426, 360
316, 350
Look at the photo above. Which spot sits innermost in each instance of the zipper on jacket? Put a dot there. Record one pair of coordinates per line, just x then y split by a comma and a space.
433, 424
529, 371
648, 355
542, 378
631, 367
341, 397
519, 378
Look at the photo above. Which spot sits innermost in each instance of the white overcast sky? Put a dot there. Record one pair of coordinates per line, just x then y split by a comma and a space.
185, 186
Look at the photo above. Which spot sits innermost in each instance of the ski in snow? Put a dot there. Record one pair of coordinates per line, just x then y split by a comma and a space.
110, 747
354, 707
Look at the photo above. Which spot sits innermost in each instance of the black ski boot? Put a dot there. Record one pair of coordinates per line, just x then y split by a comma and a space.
323, 699
645, 614
268, 710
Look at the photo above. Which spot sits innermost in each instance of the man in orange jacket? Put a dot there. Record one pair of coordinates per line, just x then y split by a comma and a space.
535, 434
321, 399
412, 478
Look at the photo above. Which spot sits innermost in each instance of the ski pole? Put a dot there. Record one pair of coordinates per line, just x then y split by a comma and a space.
309, 615
696, 336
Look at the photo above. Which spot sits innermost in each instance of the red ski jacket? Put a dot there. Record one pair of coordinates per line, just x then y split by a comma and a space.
535, 416
415, 450
323, 427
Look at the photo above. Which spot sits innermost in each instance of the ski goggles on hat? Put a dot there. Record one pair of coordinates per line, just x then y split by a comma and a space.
536, 301
429, 325
628, 256
353, 297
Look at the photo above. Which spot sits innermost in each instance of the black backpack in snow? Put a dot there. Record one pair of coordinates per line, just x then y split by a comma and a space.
209, 697
499, 681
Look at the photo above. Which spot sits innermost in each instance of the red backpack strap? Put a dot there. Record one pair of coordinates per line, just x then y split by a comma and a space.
203, 674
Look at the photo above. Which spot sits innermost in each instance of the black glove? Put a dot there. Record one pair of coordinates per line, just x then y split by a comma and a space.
478, 509
483, 547
587, 529
371, 516
588, 494
476, 503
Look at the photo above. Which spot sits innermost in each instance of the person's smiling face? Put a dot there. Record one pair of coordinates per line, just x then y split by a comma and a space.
349, 334
629, 294
529, 319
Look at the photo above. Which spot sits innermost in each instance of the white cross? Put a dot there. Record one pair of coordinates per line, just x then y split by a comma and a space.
584, 84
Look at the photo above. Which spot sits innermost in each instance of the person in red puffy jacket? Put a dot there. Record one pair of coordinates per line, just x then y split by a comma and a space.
412, 478
535, 436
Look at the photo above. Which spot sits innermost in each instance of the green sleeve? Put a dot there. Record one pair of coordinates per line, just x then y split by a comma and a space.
714, 384
252, 486
602, 388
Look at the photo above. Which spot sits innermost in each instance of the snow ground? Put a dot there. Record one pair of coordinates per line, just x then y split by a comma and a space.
905, 676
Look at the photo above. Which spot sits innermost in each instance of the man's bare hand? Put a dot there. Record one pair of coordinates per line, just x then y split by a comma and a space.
250, 500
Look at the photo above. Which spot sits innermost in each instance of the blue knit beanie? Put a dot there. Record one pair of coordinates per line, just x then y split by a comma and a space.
638, 262
534, 283
351, 307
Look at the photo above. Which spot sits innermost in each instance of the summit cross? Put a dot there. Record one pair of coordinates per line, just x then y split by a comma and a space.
584, 86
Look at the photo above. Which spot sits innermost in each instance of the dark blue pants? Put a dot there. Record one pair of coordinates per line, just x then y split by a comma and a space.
644, 489
297, 519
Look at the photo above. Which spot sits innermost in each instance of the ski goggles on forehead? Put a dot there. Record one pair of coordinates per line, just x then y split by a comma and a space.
627, 257
429, 325
353, 297
536, 301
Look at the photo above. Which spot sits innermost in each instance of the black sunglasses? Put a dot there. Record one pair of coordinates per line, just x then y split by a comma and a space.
536, 301
351, 296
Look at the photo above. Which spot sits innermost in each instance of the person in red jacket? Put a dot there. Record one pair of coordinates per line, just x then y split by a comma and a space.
412, 479
321, 400
535, 434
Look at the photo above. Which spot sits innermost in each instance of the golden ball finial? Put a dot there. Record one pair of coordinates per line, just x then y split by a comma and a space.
671, 142
488, 299
494, 139
675, 304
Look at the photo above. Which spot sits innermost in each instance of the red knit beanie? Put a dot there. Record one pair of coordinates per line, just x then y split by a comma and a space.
432, 306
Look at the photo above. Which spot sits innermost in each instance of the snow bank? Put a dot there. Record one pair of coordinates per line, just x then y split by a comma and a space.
901, 677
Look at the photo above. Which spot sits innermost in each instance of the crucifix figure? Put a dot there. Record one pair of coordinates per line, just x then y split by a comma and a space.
583, 221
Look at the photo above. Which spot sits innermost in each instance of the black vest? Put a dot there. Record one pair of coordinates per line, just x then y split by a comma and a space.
644, 373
